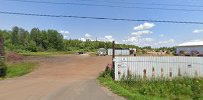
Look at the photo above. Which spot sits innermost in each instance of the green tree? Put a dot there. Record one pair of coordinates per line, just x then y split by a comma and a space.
55, 40
15, 39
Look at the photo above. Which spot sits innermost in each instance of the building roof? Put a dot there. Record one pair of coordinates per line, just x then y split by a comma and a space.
191, 43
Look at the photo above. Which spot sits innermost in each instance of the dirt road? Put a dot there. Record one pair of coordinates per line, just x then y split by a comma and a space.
60, 78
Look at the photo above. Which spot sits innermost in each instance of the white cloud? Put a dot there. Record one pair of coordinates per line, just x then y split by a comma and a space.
88, 35
139, 33
109, 38
161, 35
198, 31
139, 41
65, 34
131, 40
144, 26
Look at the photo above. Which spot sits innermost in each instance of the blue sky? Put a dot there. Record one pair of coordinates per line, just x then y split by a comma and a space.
156, 34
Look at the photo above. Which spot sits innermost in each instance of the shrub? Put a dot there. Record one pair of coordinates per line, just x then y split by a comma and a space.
180, 88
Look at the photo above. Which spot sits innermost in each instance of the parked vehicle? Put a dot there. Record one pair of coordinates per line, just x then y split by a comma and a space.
101, 52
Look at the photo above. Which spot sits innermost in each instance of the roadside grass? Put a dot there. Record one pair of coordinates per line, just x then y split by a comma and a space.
93, 54
156, 89
19, 69
45, 53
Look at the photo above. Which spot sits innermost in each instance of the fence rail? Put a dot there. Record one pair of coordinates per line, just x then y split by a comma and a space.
151, 66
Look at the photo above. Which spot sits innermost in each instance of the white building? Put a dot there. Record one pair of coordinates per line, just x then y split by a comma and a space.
190, 48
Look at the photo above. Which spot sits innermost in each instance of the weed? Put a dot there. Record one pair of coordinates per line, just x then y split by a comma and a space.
136, 88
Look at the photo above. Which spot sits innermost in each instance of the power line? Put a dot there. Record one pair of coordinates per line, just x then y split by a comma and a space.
140, 3
102, 18
111, 6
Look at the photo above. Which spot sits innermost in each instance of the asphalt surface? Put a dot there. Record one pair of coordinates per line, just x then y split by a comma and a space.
60, 78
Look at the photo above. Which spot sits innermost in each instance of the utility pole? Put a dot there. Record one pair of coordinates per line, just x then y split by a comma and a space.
113, 53
113, 56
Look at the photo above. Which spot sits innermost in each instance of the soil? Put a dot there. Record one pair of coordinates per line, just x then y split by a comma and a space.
67, 77
14, 57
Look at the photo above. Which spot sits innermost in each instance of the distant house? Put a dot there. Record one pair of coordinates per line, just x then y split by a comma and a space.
194, 48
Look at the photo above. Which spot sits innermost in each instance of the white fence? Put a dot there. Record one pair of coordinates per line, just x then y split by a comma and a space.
158, 66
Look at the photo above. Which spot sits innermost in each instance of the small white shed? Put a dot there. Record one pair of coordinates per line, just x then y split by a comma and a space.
190, 48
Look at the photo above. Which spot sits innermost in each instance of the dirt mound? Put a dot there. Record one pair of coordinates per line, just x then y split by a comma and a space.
12, 56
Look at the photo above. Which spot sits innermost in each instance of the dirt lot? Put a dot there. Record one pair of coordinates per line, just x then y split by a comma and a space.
67, 77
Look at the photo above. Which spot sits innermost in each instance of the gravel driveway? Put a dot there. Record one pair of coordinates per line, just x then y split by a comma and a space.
67, 77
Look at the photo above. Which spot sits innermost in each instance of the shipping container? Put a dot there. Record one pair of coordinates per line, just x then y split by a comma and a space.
120, 52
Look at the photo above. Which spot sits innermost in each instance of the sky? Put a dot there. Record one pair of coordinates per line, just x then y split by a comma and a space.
125, 32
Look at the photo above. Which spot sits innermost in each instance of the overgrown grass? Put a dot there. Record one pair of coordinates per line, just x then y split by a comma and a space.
19, 69
155, 89
45, 53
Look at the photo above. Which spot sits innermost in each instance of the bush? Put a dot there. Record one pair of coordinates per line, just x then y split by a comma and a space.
180, 88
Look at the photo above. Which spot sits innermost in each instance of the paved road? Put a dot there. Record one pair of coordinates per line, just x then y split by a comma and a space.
60, 78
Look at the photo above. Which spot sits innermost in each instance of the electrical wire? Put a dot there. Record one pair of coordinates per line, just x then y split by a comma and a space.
101, 18
111, 6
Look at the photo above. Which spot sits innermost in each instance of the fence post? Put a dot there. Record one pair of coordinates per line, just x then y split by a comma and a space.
145, 73
153, 72
179, 71
135, 75
170, 73
162, 72
196, 73
187, 71
128, 73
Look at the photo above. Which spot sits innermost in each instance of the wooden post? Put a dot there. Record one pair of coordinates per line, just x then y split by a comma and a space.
162, 73
170, 73
196, 74
135, 75
145, 73
179, 71
153, 72
128, 73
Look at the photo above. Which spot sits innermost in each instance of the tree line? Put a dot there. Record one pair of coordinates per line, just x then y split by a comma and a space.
19, 39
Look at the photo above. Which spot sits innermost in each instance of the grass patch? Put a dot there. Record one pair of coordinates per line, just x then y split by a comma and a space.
156, 89
45, 53
19, 69
93, 54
